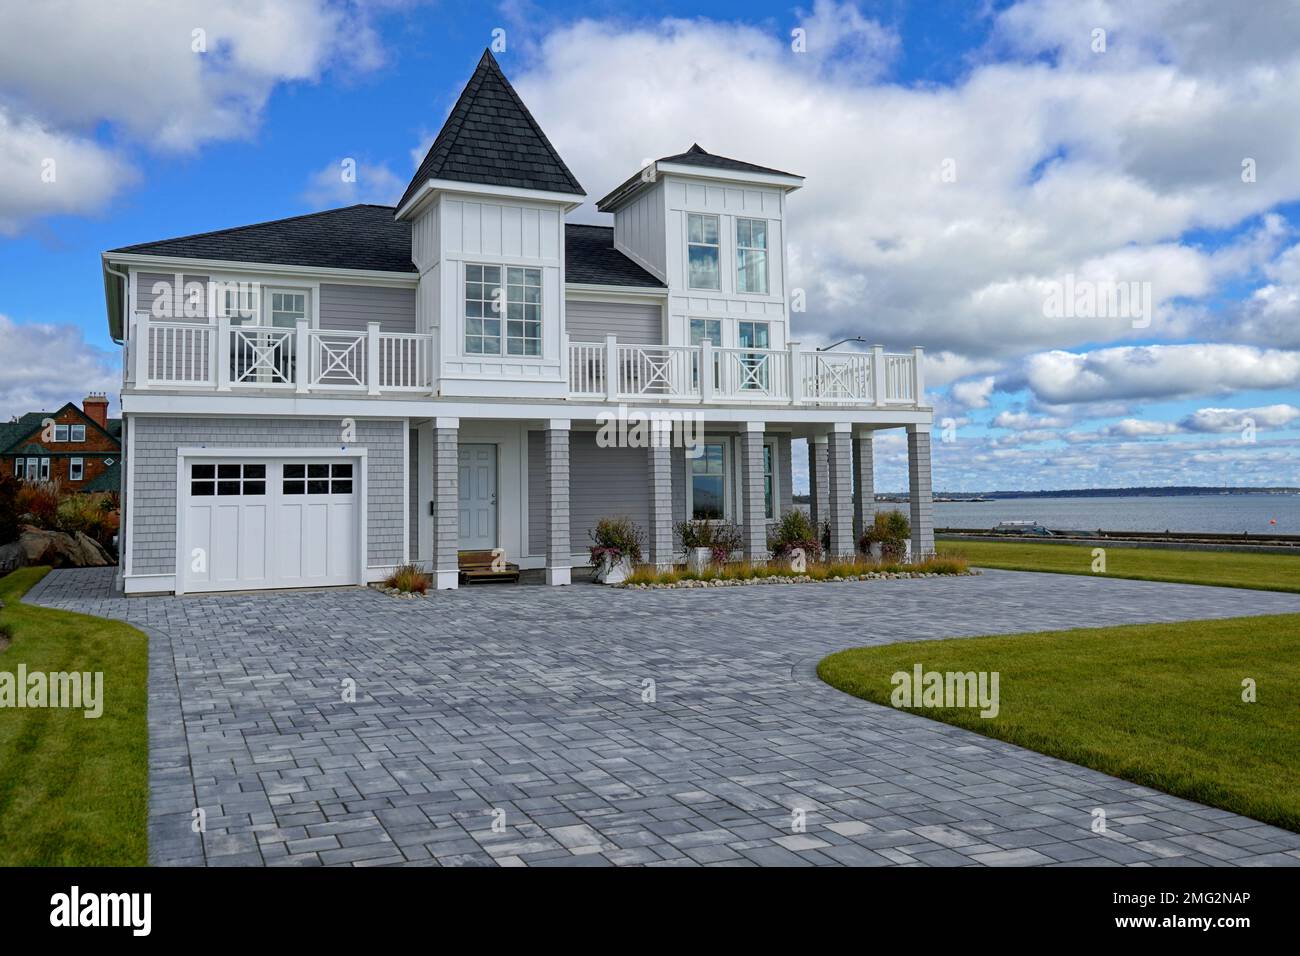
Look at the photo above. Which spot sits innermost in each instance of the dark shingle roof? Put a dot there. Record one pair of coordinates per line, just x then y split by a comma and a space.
491, 138
354, 237
591, 259
109, 480
695, 156
13, 432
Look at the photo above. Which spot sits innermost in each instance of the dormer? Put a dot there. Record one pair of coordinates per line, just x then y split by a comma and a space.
487, 209
712, 229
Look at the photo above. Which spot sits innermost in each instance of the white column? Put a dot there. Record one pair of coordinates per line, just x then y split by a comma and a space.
302, 356
424, 491
372, 357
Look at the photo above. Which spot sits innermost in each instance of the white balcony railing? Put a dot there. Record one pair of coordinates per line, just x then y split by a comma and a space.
672, 373
221, 356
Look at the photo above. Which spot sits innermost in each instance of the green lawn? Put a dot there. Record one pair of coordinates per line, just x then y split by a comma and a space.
73, 791
1157, 704
1233, 569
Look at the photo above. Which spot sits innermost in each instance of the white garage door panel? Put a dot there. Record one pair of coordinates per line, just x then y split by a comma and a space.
270, 524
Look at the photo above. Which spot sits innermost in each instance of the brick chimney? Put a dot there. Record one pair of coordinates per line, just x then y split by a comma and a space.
95, 405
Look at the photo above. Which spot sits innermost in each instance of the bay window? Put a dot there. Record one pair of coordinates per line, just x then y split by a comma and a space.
486, 298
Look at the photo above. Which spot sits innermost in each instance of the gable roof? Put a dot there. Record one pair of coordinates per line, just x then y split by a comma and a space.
591, 259
491, 138
697, 156
15, 432
354, 237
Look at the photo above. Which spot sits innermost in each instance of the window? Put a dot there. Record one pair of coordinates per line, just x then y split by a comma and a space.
227, 480
76, 468
702, 329
61, 432
523, 311
45, 469
287, 308
751, 256
520, 300
769, 481
108, 463
318, 479
708, 482
18, 467
33, 464
77, 433
754, 365
703, 252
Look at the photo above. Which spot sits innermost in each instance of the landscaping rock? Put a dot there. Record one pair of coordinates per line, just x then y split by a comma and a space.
58, 549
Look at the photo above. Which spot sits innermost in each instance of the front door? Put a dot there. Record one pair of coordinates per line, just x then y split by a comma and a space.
478, 497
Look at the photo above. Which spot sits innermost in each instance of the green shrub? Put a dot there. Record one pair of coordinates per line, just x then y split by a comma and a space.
38, 504
890, 530
720, 537
794, 530
614, 539
92, 515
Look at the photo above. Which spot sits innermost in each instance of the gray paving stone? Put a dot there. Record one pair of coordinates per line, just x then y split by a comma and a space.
526, 700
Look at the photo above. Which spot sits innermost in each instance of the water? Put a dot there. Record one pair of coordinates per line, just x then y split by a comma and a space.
1213, 513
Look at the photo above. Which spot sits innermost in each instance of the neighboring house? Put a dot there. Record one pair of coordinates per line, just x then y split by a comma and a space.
314, 400
80, 448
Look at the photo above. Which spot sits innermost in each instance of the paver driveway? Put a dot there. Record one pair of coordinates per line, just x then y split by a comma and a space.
524, 706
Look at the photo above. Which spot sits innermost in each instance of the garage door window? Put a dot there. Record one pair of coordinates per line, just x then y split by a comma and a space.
318, 479
232, 479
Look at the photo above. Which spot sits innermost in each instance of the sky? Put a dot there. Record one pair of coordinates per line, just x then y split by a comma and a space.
1085, 211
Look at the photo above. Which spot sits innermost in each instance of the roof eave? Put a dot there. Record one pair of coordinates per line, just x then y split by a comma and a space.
426, 193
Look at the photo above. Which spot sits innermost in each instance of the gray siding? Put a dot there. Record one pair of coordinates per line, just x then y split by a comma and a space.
350, 307
152, 513
633, 322
603, 483
145, 297
413, 487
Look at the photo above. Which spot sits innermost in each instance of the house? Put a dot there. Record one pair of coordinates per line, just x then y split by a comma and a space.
314, 400
80, 448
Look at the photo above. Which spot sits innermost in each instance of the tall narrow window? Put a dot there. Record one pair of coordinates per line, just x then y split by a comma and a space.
45, 469
751, 256
703, 252
702, 329
754, 365
483, 295
708, 483
76, 468
523, 311
18, 467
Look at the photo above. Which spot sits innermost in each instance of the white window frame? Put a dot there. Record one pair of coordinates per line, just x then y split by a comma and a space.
20, 467
60, 433
76, 469
269, 310
717, 220
767, 257
45, 469
502, 315
728, 510
76, 430
775, 475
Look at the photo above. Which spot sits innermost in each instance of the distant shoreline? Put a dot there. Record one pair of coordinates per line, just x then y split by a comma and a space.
1171, 491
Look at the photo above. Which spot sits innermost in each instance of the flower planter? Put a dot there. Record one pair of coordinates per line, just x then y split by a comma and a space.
699, 559
614, 572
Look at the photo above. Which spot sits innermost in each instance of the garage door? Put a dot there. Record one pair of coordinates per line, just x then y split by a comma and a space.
266, 523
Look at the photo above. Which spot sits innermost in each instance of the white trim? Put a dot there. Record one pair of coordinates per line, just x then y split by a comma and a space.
446, 422
81, 464
406, 492
427, 192
842, 426
363, 276
559, 424
127, 539
729, 176
728, 476
160, 402
754, 426
149, 584
736, 247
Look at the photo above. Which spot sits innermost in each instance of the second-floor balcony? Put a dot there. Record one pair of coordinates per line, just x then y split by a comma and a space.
224, 356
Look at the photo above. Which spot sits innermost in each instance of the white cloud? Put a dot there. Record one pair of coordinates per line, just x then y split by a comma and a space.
1158, 371
1141, 428
1237, 419
341, 184
45, 172
1021, 421
57, 366
974, 393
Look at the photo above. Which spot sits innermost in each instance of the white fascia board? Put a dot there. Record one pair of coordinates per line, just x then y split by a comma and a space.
580, 290
482, 407
731, 176
371, 276
570, 201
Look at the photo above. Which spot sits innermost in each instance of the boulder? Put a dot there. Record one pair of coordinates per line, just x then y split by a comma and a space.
58, 549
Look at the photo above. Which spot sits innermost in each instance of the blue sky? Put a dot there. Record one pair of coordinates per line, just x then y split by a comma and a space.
1122, 165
